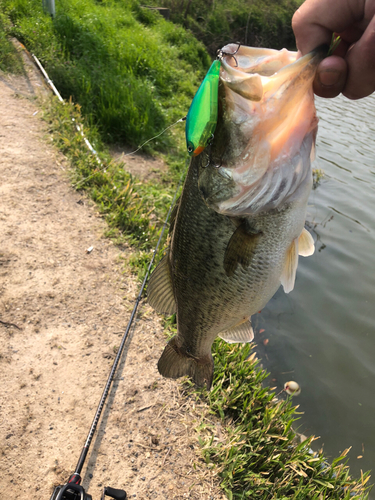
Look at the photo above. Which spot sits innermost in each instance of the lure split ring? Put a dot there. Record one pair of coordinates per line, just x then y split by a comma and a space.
221, 53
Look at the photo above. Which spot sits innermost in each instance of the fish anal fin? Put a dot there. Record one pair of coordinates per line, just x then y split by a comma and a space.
240, 333
160, 288
288, 276
240, 248
306, 245
174, 363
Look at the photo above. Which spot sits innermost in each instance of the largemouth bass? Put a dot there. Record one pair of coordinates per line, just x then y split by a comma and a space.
238, 227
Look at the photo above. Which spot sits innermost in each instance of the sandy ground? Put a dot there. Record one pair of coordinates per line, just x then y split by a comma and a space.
62, 315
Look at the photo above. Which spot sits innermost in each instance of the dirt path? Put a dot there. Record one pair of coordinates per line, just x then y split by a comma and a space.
70, 308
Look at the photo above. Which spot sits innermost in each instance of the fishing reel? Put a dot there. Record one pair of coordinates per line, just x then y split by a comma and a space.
74, 491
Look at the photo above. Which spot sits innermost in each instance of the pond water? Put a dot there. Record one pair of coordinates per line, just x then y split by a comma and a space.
322, 334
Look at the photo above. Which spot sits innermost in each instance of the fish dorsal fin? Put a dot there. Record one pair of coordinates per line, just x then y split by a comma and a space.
160, 289
242, 332
240, 248
288, 276
306, 245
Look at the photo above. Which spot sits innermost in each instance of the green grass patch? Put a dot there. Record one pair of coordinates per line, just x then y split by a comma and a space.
252, 22
132, 72
260, 455
10, 61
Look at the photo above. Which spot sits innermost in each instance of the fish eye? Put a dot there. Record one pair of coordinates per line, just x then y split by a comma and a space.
190, 147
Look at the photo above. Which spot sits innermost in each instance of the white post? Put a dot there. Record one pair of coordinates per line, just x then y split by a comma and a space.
49, 6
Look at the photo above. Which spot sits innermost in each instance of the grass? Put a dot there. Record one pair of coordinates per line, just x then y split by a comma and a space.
135, 211
260, 456
251, 22
9, 58
132, 72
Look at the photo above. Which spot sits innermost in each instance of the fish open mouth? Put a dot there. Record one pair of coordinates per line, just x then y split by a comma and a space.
266, 129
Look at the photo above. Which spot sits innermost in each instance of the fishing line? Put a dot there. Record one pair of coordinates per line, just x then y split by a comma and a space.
156, 136
133, 152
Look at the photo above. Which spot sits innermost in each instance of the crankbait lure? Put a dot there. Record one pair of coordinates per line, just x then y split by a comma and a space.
202, 115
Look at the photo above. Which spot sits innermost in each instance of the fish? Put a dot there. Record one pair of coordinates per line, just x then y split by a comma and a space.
238, 227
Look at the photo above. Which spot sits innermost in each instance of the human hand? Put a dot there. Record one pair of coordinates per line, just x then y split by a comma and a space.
351, 70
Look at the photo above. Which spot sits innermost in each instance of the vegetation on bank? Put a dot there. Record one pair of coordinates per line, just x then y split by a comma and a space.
252, 22
259, 455
9, 59
132, 72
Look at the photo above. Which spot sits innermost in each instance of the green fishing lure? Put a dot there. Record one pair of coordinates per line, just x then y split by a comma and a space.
202, 115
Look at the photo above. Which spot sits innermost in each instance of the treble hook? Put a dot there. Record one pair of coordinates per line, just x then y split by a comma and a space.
208, 151
220, 54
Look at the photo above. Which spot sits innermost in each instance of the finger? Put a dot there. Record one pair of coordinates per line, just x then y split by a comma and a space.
330, 77
315, 21
361, 65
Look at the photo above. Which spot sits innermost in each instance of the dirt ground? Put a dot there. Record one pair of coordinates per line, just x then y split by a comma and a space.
62, 315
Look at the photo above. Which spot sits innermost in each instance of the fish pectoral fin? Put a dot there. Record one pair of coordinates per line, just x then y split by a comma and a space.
174, 363
241, 333
240, 248
160, 294
288, 276
306, 245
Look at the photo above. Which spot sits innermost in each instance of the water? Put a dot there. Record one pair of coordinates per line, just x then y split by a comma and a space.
322, 334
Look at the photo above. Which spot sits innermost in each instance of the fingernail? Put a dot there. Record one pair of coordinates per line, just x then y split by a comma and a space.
329, 78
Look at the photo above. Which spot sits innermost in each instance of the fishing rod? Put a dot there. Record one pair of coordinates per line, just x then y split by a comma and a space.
73, 490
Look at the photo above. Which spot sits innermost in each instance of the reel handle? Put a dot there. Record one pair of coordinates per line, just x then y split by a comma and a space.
114, 493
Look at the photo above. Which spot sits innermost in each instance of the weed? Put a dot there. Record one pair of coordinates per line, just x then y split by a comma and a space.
318, 176
131, 72
10, 61
126, 204
260, 456
255, 23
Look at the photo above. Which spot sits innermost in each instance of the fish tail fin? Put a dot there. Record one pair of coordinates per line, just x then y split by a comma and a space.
173, 363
